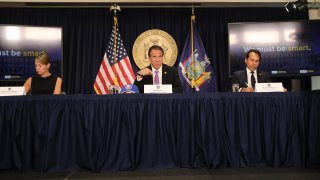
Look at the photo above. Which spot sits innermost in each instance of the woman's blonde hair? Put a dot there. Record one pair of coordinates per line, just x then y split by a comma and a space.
44, 58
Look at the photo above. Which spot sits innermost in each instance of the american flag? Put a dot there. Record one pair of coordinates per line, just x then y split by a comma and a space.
115, 68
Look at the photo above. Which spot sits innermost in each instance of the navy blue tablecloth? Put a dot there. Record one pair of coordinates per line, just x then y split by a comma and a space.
138, 131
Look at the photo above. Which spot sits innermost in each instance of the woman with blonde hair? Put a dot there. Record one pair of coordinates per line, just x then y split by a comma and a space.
43, 82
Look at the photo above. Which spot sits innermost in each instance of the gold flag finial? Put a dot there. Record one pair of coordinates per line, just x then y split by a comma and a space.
115, 8
193, 17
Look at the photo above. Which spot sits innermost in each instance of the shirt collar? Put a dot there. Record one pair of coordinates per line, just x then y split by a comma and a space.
249, 71
153, 69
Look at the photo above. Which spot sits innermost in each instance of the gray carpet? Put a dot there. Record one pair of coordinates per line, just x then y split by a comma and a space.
177, 174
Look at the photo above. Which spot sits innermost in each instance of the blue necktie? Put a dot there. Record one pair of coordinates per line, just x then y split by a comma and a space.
156, 78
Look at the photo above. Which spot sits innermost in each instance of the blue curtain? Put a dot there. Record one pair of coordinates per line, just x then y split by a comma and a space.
269, 131
86, 30
105, 133
312, 125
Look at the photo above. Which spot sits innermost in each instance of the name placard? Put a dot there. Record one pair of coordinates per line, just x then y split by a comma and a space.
269, 87
158, 89
12, 91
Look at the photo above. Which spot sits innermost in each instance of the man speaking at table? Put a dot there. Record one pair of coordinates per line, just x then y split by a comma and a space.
158, 73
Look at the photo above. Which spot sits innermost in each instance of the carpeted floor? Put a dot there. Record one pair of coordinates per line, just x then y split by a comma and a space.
177, 174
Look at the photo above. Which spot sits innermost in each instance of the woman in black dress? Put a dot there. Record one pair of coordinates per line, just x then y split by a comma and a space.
43, 82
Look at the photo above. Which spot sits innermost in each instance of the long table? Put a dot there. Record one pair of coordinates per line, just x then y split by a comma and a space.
101, 133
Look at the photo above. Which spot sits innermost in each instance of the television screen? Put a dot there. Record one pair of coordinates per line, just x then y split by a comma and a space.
19, 45
287, 48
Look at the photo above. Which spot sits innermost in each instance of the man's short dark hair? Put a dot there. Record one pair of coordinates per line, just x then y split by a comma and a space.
255, 51
155, 47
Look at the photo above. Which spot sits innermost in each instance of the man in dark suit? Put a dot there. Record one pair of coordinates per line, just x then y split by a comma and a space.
157, 72
248, 77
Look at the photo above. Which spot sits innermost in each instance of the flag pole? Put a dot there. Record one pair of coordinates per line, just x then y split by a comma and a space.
115, 8
193, 19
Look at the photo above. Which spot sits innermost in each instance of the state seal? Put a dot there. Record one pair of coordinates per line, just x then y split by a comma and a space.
150, 38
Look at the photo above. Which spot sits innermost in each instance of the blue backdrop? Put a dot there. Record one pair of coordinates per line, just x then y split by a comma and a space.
86, 32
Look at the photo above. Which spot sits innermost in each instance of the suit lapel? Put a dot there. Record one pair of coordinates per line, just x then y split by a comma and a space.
165, 74
245, 76
149, 79
259, 75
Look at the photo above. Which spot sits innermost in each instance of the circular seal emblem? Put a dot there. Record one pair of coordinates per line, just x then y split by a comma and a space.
150, 38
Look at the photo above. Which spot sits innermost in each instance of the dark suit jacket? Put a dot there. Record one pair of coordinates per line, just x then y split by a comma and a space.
169, 76
240, 77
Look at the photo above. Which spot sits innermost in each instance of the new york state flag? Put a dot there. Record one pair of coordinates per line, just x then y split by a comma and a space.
195, 70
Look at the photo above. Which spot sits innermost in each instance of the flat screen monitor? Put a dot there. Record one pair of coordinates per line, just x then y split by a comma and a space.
20, 44
287, 48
